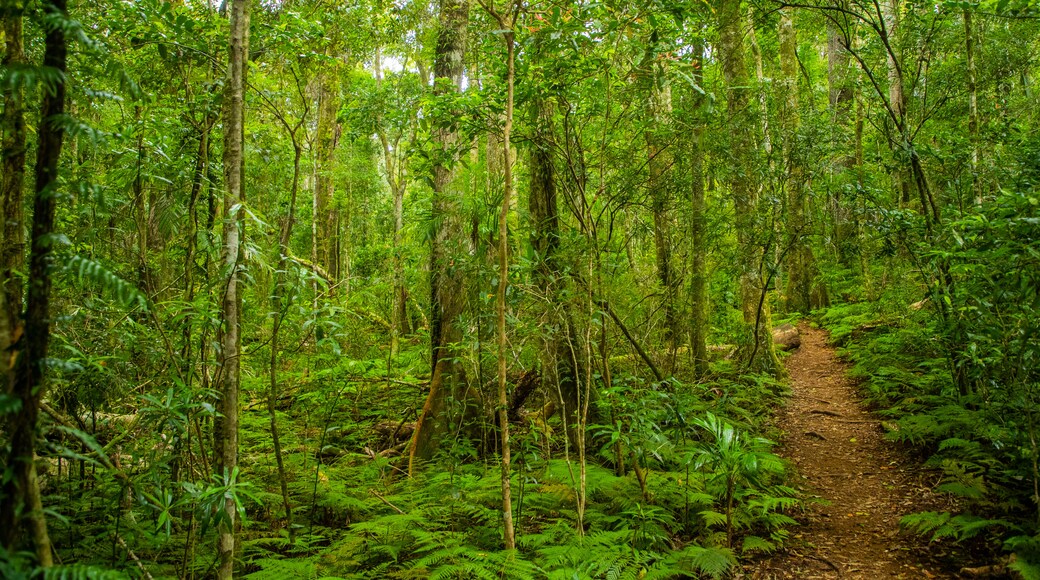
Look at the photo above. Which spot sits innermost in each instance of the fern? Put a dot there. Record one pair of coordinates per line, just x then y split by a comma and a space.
944, 525
87, 271
287, 569
714, 561
82, 572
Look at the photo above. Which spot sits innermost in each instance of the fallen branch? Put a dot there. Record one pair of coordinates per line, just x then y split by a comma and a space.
134, 557
825, 412
386, 501
318, 270
639, 349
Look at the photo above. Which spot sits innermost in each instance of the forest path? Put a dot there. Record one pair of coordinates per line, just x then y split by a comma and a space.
866, 483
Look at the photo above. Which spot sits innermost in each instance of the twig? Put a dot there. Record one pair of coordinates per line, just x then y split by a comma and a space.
829, 563
134, 557
825, 412
386, 501
857, 421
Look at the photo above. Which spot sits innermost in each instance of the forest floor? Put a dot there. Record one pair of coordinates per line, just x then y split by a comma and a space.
864, 484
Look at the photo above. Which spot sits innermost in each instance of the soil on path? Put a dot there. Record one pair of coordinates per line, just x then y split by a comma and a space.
866, 483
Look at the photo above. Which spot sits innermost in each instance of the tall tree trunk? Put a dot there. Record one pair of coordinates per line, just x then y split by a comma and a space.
12, 179
896, 96
698, 226
973, 106
503, 283
841, 97
394, 166
278, 310
760, 78
325, 214
449, 248
804, 292
21, 491
226, 436
659, 162
756, 348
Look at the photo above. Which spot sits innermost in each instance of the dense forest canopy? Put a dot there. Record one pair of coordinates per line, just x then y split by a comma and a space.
504, 288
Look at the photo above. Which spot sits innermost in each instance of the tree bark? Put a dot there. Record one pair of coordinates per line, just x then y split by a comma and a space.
756, 349
448, 402
841, 98
804, 292
30, 351
325, 214
896, 96
698, 227
659, 162
12, 178
973, 106
226, 428
503, 283
394, 166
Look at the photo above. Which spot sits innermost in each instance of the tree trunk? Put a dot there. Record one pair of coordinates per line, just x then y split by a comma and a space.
12, 179
449, 400
840, 97
659, 162
503, 283
226, 428
325, 214
394, 166
896, 96
698, 227
278, 310
804, 292
756, 348
973, 106
21, 490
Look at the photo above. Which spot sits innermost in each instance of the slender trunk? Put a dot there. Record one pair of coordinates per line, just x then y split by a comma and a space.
278, 309
896, 97
841, 97
141, 211
698, 228
21, 489
804, 292
756, 351
449, 245
973, 106
500, 302
393, 163
201, 167
760, 78
226, 429
325, 214
659, 162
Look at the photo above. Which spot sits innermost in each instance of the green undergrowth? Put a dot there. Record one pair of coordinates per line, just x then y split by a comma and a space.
961, 394
681, 480
708, 491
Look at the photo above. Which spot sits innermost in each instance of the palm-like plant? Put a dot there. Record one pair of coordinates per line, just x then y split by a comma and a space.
735, 462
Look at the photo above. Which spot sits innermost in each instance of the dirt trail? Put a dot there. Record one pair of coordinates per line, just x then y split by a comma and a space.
866, 482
